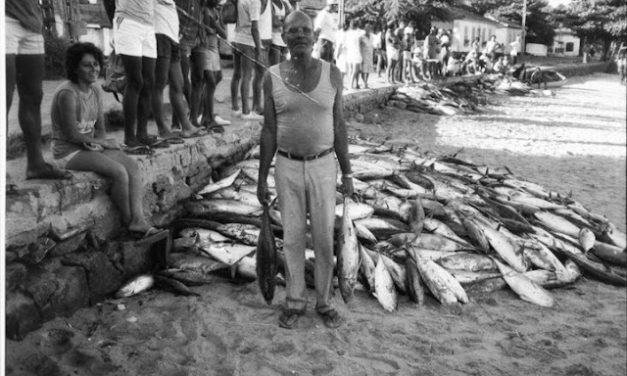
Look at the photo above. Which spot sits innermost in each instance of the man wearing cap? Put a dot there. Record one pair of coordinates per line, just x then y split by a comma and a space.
325, 30
304, 125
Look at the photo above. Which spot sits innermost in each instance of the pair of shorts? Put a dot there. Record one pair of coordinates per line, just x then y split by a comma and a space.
209, 59
63, 161
21, 41
167, 48
392, 54
133, 38
248, 53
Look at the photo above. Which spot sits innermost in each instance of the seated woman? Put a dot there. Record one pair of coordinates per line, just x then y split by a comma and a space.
78, 136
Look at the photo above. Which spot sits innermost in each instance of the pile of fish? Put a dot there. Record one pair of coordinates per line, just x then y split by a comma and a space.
460, 97
417, 225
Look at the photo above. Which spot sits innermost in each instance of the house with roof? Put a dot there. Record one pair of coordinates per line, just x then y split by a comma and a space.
565, 43
467, 26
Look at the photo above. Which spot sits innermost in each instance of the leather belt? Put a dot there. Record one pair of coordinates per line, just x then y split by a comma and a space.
289, 155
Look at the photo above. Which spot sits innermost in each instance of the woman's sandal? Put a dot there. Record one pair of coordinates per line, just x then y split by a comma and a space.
137, 150
289, 317
331, 318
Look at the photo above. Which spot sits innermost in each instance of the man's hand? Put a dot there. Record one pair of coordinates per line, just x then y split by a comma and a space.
263, 195
347, 186
110, 143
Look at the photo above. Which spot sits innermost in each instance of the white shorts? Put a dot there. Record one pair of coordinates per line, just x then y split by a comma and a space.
62, 162
133, 38
22, 41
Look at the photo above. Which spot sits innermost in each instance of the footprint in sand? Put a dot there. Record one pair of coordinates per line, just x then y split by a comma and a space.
377, 363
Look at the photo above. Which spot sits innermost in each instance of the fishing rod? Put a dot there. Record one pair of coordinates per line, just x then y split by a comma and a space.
265, 68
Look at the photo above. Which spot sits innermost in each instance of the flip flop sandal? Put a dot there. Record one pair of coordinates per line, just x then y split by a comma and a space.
175, 140
197, 133
137, 150
331, 318
150, 140
161, 143
216, 129
289, 318
51, 172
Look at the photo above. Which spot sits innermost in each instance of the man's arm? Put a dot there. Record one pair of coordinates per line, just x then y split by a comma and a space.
267, 141
340, 139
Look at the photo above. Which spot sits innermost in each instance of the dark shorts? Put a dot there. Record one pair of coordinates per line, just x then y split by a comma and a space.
166, 48
326, 50
248, 53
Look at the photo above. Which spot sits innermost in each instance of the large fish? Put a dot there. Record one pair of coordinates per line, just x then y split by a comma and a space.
557, 223
504, 248
384, 287
382, 227
356, 210
135, 286
188, 277
201, 264
438, 227
415, 286
440, 282
524, 287
610, 253
465, 277
614, 236
427, 241
209, 208
586, 239
216, 186
228, 253
416, 216
471, 262
365, 234
367, 268
476, 233
267, 264
243, 233
347, 255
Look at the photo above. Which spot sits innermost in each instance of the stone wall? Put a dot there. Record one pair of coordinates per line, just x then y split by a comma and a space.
64, 247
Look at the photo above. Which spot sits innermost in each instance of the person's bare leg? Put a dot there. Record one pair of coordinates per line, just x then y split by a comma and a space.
211, 82
247, 71
101, 164
27, 72
135, 190
257, 84
134, 84
235, 80
197, 87
144, 105
177, 99
162, 68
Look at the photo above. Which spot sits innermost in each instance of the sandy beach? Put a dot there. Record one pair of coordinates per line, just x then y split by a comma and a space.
573, 143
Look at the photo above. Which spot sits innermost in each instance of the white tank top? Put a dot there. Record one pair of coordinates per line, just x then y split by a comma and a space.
265, 22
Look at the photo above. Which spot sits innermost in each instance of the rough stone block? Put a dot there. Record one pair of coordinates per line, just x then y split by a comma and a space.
22, 315
68, 245
102, 277
15, 275
57, 289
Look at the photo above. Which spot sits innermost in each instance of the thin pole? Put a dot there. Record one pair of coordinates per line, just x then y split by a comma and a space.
524, 27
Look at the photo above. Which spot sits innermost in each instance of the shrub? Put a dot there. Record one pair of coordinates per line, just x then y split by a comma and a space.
55, 56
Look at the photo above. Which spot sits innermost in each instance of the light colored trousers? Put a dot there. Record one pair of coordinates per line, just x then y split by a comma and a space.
307, 186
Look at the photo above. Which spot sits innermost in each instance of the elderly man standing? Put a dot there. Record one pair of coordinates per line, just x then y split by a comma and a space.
304, 125
325, 29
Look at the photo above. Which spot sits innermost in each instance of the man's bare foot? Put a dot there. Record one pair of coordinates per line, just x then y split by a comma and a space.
47, 171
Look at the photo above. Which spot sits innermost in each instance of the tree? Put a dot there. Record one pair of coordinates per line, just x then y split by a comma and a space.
601, 21
421, 11
538, 23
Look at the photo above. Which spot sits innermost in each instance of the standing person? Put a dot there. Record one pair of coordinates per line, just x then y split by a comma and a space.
514, 48
134, 39
209, 72
326, 29
78, 136
265, 34
247, 49
392, 51
445, 46
352, 40
280, 9
367, 53
431, 51
305, 131
491, 47
25, 68
340, 51
378, 43
189, 37
168, 71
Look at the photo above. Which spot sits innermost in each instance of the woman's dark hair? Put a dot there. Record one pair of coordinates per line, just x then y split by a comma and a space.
74, 55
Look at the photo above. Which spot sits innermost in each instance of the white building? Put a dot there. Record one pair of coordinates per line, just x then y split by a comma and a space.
565, 43
467, 26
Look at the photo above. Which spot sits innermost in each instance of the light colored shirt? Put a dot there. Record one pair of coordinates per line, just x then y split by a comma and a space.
304, 127
279, 12
514, 47
265, 22
28, 12
88, 108
247, 12
327, 23
142, 11
167, 19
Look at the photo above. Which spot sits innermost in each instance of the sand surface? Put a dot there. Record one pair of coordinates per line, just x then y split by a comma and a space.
572, 142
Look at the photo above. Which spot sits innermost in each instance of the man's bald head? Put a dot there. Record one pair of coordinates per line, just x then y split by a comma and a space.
297, 16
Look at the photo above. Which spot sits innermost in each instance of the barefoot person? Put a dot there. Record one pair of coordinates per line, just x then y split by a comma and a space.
305, 130
78, 136
25, 67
